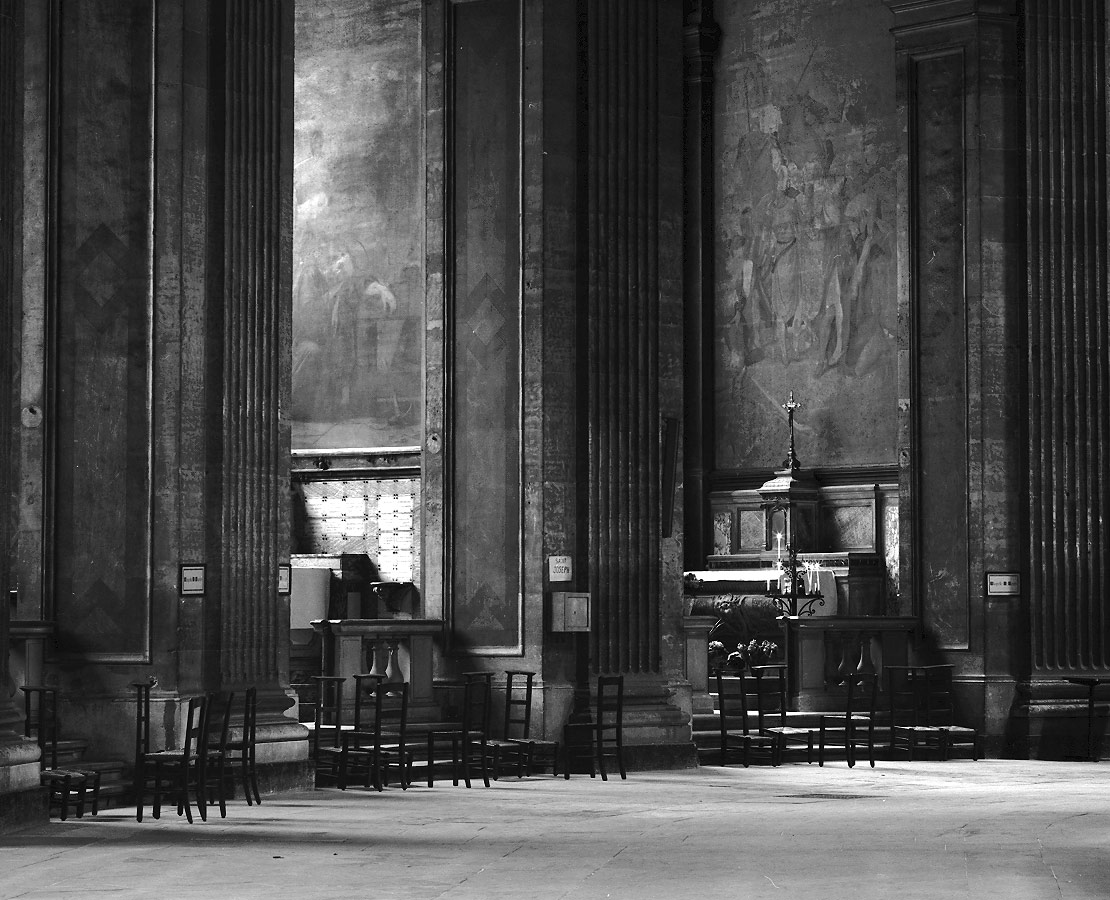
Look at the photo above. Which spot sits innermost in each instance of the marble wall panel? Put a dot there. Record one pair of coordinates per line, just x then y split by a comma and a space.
941, 340
102, 331
484, 154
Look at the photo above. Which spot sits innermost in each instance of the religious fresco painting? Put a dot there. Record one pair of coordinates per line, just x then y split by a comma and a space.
358, 225
806, 293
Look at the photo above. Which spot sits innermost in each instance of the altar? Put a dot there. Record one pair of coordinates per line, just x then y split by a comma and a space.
806, 560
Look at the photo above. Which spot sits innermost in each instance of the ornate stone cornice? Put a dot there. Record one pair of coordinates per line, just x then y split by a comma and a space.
917, 14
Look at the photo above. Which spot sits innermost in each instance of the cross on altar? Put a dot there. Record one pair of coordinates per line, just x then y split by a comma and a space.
791, 461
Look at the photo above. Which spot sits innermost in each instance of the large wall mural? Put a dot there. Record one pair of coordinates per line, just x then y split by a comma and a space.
358, 225
806, 292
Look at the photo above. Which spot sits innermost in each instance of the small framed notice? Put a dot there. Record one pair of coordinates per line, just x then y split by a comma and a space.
285, 577
1003, 584
191, 579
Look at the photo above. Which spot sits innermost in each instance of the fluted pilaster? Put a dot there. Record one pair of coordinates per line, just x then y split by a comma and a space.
623, 329
702, 37
1069, 333
255, 326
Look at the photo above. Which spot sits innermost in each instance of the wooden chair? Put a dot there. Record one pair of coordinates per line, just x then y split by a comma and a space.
516, 743
469, 738
609, 723
242, 749
855, 727
770, 692
68, 784
941, 711
177, 770
910, 729
732, 704
379, 738
215, 753
328, 726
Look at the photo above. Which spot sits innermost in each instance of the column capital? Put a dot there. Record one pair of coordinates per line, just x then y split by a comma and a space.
701, 40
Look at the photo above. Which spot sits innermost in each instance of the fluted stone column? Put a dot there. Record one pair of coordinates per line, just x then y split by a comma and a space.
1068, 359
254, 342
702, 37
634, 328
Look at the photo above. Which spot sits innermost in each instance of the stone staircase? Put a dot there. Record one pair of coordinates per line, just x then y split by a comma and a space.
707, 736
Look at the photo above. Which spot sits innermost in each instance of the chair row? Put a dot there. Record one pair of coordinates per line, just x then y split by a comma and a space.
200, 766
920, 717
380, 736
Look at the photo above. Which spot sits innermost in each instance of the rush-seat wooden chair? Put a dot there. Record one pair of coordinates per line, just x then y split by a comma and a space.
67, 784
910, 728
328, 726
855, 727
176, 771
770, 691
941, 710
241, 749
736, 735
609, 723
380, 736
516, 745
468, 738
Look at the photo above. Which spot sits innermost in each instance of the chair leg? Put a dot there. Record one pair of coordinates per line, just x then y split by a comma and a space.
485, 751
138, 784
244, 777
431, 757
254, 779
157, 802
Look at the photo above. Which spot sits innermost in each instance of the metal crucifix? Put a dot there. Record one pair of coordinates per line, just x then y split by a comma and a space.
791, 461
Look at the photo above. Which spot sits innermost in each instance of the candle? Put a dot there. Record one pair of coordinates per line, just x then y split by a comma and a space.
778, 546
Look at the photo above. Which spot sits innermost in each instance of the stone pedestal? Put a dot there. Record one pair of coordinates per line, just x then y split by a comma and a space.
393, 647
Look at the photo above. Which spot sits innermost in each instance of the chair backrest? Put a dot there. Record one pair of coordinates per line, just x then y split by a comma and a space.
250, 715
391, 710
770, 695
863, 693
907, 695
518, 703
142, 719
366, 692
476, 700
329, 709
732, 702
40, 709
218, 740
610, 704
196, 725
936, 687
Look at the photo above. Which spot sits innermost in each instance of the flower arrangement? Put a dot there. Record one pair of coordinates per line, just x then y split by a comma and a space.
753, 653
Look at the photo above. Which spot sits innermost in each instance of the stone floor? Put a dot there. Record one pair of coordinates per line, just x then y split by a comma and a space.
902, 830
